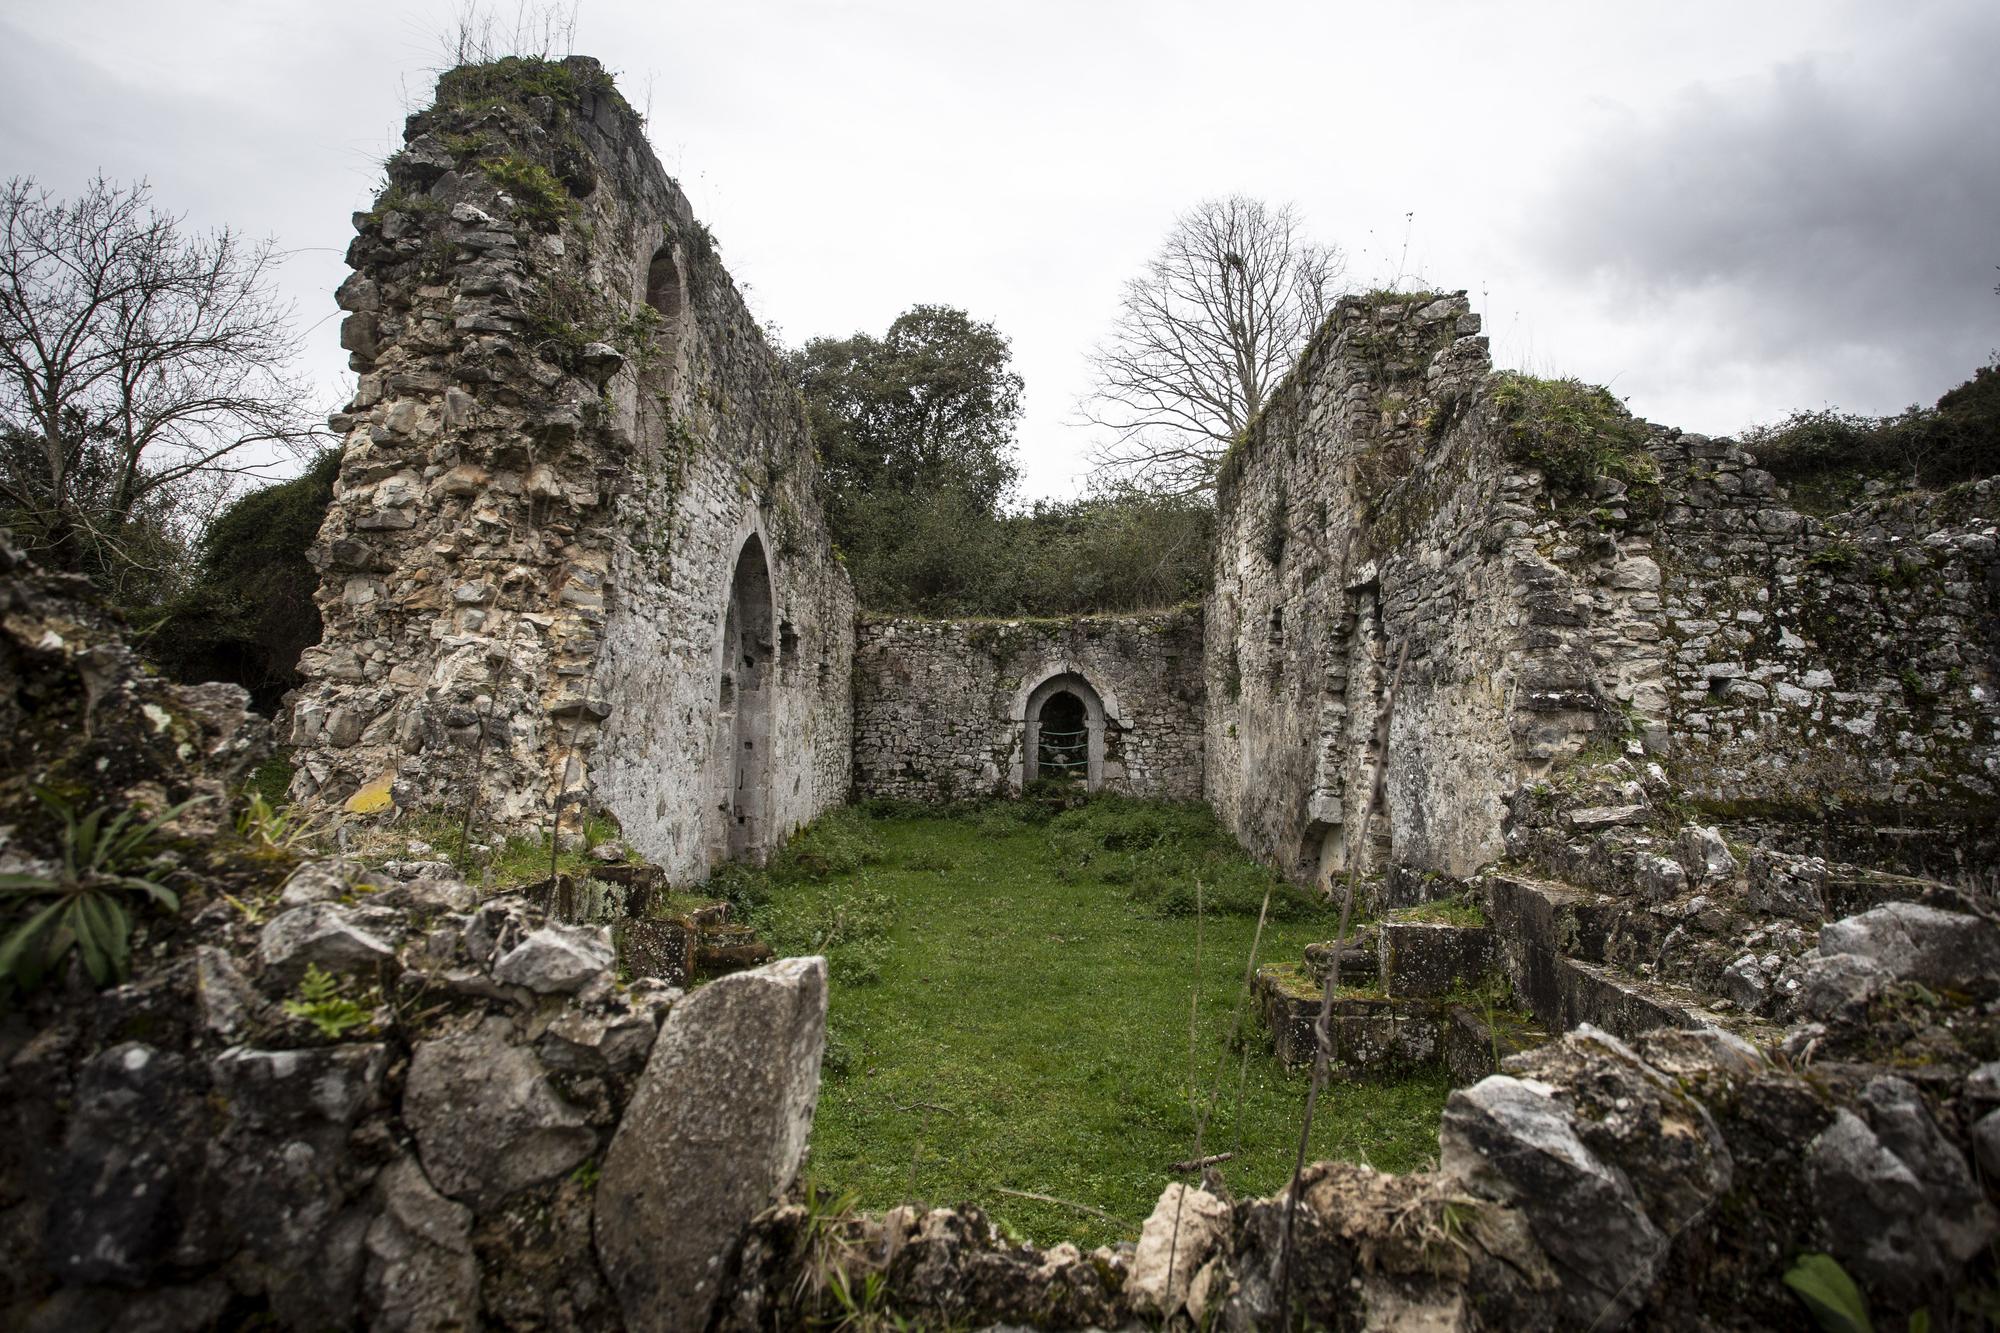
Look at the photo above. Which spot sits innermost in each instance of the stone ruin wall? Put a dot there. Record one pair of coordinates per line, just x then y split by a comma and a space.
568, 437
939, 712
1367, 509
1837, 674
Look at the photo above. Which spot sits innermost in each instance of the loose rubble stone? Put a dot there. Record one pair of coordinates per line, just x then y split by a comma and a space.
486, 1120
1186, 1227
1707, 856
321, 935
715, 1130
557, 960
1839, 986
1788, 886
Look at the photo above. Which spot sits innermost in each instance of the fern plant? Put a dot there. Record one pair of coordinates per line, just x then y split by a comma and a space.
321, 1004
106, 861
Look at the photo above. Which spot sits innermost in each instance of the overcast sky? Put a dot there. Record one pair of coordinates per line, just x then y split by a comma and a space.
1726, 211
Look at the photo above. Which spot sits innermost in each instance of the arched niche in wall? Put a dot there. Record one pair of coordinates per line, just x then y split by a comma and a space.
666, 293
746, 680
1063, 720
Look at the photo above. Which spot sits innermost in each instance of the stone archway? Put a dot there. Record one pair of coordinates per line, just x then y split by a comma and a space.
746, 679
1049, 742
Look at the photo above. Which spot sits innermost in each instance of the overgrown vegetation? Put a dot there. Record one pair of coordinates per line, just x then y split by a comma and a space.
108, 859
539, 197
1020, 1025
321, 1003
1828, 457
1157, 853
512, 81
915, 431
1574, 432
249, 611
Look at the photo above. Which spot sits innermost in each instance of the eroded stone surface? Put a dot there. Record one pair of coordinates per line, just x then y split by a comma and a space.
714, 1133
486, 1120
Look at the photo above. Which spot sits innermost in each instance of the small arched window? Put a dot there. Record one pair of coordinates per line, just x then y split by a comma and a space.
666, 293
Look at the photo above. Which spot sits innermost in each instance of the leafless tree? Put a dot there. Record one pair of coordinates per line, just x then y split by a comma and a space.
1202, 337
143, 369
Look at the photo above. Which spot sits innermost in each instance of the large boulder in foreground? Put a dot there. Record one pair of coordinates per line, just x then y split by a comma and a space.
714, 1133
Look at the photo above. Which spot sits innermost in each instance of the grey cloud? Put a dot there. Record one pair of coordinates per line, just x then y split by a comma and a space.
1842, 207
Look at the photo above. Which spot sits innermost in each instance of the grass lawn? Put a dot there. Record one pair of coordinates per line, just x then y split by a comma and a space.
1010, 1010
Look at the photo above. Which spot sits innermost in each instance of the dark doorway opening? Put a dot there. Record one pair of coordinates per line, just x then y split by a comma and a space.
1063, 738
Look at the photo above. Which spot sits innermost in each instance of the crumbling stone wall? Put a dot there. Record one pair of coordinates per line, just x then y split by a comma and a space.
1371, 536
568, 437
939, 705
1385, 513
1839, 672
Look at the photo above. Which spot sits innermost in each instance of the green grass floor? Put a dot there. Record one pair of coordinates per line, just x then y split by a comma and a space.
1031, 1034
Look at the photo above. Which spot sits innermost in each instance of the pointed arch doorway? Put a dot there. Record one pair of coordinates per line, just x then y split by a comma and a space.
744, 689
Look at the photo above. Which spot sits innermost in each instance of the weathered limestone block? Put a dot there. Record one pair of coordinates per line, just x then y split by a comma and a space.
1951, 950
1897, 1201
486, 1120
321, 935
422, 1275
1185, 1228
715, 1131
1634, 1118
1509, 1139
557, 959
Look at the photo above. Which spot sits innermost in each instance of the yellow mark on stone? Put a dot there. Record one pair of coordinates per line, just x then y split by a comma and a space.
372, 799
158, 716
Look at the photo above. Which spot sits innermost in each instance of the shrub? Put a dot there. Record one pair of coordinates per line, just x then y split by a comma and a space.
1574, 432
1826, 455
250, 611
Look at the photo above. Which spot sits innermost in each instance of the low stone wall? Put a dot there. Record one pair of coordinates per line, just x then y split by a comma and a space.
941, 706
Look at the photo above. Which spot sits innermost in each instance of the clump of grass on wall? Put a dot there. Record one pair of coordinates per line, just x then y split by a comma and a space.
1574, 432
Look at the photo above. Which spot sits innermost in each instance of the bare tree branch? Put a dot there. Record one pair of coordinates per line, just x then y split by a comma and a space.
142, 368
1201, 339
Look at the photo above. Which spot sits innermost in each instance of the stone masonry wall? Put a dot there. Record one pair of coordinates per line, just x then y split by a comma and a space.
1840, 672
1385, 508
567, 436
938, 711
1371, 522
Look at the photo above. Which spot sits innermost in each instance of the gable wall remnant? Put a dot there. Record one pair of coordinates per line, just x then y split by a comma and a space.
568, 430
1366, 544
1838, 677
941, 707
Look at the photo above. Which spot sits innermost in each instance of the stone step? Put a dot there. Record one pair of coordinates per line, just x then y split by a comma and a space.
1473, 1042
1428, 959
1373, 1036
1563, 950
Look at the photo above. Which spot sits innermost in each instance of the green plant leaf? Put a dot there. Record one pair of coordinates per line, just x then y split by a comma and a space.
15, 951
1836, 1303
